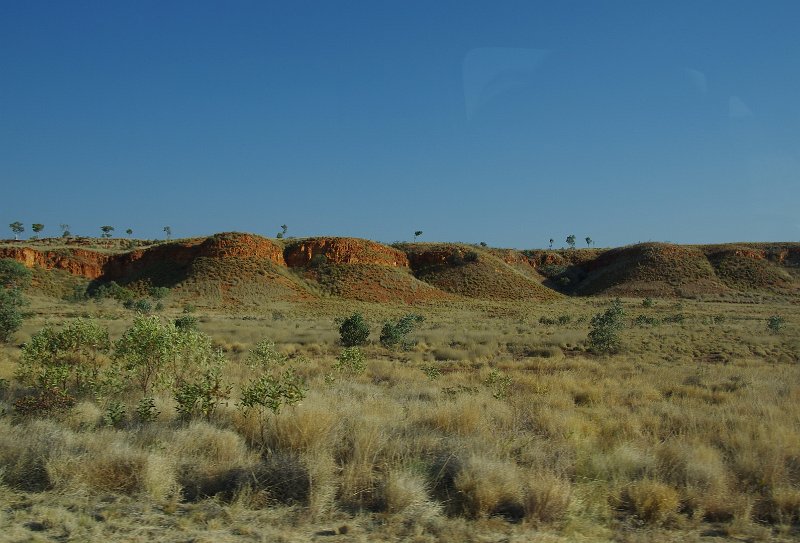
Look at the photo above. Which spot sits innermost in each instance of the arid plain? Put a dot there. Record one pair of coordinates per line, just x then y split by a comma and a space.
219, 389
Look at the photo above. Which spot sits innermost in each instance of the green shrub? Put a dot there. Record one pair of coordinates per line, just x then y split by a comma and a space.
154, 354
352, 361
159, 293
396, 333
552, 271
115, 414
11, 301
112, 290
264, 356
354, 330
499, 383
775, 323
648, 302
471, 256
677, 318
272, 392
13, 274
146, 410
644, 320
605, 328
561, 320
141, 305
186, 322
432, 371
202, 394
69, 358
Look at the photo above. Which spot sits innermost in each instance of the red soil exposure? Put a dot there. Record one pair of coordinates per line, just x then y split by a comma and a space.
343, 251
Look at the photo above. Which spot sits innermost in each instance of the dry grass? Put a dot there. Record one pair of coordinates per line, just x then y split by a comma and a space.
693, 427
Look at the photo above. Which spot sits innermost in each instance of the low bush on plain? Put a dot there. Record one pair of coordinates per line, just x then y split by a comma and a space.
395, 333
354, 330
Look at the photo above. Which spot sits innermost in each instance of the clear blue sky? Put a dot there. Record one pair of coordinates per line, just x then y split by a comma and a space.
503, 122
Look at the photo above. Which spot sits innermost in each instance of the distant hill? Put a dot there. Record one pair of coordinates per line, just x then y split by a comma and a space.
237, 269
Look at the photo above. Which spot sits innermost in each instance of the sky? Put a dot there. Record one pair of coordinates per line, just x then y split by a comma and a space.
508, 123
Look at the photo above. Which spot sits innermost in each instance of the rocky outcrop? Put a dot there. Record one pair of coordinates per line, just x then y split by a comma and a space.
236, 245
658, 269
83, 262
342, 251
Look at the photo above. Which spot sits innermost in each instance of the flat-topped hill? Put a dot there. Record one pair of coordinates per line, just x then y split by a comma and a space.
244, 269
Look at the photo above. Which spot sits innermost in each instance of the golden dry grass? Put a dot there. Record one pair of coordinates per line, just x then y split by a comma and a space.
692, 428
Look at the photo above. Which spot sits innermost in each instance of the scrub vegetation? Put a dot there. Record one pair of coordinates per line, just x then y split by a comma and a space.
576, 419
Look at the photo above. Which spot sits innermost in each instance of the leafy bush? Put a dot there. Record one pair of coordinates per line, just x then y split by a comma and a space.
354, 330
112, 290
460, 258
648, 302
115, 414
552, 271
271, 392
14, 274
645, 320
605, 328
775, 323
11, 317
146, 410
203, 394
141, 305
265, 356
352, 361
186, 322
69, 358
499, 383
153, 354
159, 293
432, 371
560, 320
396, 333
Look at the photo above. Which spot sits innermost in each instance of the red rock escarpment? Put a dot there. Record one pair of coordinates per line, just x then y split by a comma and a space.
343, 251
82, 262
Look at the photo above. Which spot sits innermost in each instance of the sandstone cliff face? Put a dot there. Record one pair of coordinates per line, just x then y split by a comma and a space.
434, 256
666, 269
236, 245
343, 251
96, 265
82, 262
